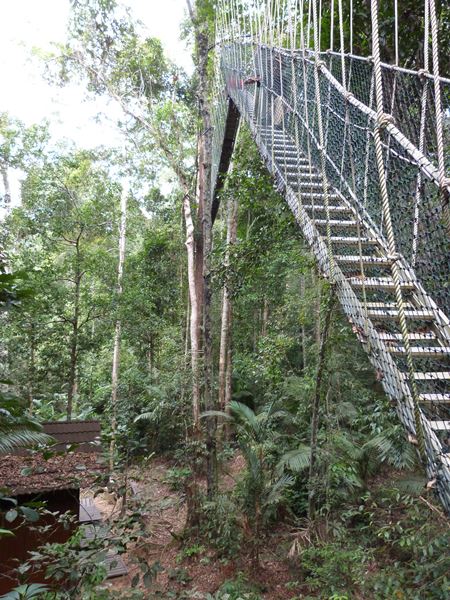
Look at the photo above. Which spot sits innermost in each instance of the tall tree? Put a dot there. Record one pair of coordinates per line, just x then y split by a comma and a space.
118, 328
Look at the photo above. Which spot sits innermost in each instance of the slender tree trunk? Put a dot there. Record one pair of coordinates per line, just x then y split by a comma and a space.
6, 186
118, 330
265, 317
31, 368
315, 278
151, 356
316, 406
71, 391
303, 328
225, 355
194, 314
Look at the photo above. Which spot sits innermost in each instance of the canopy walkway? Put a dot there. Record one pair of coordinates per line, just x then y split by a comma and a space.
357, 148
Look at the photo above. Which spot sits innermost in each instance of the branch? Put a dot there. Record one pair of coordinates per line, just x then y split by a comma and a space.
191, 11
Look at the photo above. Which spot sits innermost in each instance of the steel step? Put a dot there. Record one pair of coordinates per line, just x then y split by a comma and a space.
307, 184
319, 196
331, 208
397, 337
430, 376
421, 352
353, 240
388, 305
438, 398
335, 223
364, 259
381, 283
440, 425
392, 314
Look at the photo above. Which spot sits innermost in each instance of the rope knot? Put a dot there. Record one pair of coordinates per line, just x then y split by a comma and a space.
385, 119
422, 73
348, 96
395, 257
321, 64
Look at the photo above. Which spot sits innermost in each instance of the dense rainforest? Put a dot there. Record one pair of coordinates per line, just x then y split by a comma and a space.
248, 448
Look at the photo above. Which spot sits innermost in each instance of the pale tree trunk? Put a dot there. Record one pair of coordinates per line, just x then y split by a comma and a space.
118, 330
192, 487
75, 322
6, 186
225, 354
194, 313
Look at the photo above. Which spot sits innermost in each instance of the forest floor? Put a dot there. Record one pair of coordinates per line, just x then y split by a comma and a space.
190, 566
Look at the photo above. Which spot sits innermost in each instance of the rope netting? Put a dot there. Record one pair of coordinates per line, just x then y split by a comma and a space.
358, 148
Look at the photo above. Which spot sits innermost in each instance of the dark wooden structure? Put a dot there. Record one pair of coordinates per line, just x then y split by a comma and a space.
54, 481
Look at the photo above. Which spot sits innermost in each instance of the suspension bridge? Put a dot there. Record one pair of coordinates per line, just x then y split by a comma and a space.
357, 146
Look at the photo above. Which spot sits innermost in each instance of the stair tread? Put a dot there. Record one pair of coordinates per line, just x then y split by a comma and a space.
440, 425
352, 240
387, 336
335, 222
434, 397
388, 305
430, 375
421, 314
421, 350
366, 259
331, 208
378, 282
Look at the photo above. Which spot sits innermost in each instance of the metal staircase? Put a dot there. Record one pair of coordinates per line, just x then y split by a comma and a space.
353, 253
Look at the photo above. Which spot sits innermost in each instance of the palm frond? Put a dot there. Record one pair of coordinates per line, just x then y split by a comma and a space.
20, 438
296, 460
216, 413
277, 489
412, 484
245, 416
393, 448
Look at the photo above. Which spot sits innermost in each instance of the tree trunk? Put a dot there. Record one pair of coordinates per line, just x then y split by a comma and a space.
225, 355
118, 331
6, 186
316, 406
303, 328
318, 290
31, 369
205, 218
71, 391
265, 317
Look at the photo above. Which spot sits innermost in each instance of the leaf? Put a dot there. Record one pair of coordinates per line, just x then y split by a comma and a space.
135, 580
297, 460
6, 533
11, 515
30, 514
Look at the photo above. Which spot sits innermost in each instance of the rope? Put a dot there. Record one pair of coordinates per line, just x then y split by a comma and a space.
382, 119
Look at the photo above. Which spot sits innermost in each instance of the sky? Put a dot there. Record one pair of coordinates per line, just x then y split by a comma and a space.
25, 95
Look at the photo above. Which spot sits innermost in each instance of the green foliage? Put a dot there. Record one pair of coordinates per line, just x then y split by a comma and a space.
176, 477
236, 589
222, 524
26, 592
334, 570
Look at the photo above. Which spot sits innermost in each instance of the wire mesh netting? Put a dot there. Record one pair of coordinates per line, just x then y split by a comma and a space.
314, 119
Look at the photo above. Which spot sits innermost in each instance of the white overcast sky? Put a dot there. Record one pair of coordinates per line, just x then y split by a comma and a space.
25, 24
